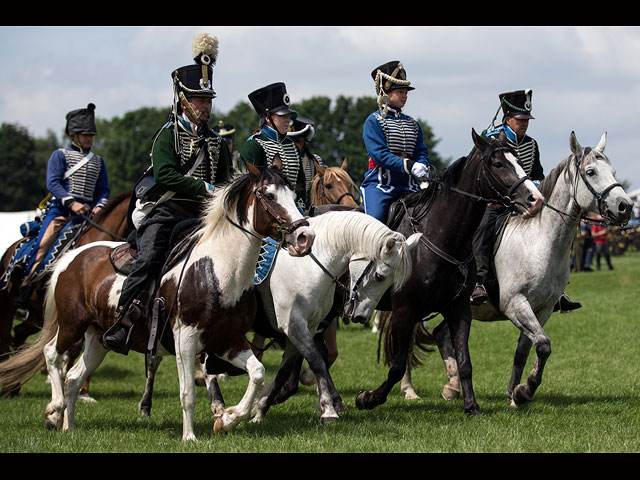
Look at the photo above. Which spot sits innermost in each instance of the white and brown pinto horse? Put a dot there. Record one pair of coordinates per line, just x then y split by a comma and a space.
213, 291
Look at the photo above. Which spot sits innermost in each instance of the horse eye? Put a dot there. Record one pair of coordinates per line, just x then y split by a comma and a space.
270, 196
379, 277
498, 164
328, 185
591, 172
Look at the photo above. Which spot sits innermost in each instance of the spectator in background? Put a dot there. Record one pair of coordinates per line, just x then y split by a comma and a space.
600, 238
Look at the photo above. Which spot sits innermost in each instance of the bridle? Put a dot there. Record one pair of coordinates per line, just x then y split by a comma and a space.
283, 228
599, 196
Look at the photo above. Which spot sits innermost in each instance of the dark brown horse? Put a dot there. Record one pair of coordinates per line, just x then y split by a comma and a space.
210, 301
448, 213
110, 223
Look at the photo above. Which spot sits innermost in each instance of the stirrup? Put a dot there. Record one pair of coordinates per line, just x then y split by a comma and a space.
479, 295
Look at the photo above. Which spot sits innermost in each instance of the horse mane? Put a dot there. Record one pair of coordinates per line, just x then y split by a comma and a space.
359, 233
548, 184
230, 198
111, 205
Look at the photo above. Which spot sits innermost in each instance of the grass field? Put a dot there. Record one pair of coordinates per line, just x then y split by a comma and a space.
589, 400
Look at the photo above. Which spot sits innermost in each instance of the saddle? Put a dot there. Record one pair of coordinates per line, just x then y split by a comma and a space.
123, 258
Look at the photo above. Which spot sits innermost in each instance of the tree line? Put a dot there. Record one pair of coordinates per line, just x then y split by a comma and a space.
125, 144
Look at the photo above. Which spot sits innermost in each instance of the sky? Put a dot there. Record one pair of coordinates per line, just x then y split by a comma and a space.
584, 79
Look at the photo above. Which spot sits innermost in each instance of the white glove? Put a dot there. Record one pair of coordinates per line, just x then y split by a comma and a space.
420, 171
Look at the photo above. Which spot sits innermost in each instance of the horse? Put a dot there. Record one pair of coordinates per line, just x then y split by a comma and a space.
532, 261
330, 186
448, 213
109, 223
299, 294
209, 294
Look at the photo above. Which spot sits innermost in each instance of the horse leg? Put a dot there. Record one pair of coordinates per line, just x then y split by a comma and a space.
459, 320
54, 411
519, 362
291, 358
215, 394
330, 400
186, 339
290, 387
402, 328
451, 390
406, 385
144, 407
524, 318
234, 415
91, 358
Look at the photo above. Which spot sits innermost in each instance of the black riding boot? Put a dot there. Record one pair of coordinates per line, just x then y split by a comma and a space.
565, 305
120, 340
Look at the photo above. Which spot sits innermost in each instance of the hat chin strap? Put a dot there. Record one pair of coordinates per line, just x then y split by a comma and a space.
187, 106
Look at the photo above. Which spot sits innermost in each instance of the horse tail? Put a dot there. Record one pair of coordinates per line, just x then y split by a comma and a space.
422, 338
29, 359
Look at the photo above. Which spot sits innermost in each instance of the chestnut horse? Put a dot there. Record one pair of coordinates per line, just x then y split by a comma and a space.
110, 223
209, 291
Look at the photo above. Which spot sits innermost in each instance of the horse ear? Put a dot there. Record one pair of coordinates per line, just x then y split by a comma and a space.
345, 165
575, 146
602, 143
413, 240
479, 141
251, 168
277, 162
319, 168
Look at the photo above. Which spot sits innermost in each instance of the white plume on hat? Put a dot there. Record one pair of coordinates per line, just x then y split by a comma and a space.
205, 44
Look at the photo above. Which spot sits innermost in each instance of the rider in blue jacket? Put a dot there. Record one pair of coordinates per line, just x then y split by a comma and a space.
398, 157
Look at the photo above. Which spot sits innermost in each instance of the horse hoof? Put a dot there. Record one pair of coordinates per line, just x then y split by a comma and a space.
449, 393
84, 397
307, 378
331, 419
521, 395
362, 403
218, 427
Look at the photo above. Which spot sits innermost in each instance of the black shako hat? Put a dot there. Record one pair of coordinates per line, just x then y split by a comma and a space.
196, 80
393, 76
517, 104
82, 120
271, 99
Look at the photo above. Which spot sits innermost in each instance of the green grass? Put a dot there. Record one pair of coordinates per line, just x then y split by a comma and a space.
589, 400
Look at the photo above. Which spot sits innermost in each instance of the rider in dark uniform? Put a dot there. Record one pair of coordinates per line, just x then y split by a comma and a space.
302, 132
272, 103
516, 107
188, 159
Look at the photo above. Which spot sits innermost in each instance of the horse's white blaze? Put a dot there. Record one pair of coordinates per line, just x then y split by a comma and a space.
521, 173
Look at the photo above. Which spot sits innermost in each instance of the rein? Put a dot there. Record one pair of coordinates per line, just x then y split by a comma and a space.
95, 225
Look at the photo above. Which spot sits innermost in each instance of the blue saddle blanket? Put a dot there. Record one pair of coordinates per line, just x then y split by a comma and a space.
268, 254
27, 249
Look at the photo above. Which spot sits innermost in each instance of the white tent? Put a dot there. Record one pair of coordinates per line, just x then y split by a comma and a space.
10, 227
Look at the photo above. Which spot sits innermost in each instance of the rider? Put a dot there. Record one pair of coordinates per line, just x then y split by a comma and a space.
516, 107
301, 132
227, 132
394, 142
188, 159
272, 103
79, 185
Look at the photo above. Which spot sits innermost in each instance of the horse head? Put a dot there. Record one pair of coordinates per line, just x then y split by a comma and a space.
370, 279
333, 185
504, 179
599, 191
271, 204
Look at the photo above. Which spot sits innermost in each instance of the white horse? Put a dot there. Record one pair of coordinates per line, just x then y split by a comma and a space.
532, 261
209, 293
299, 294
